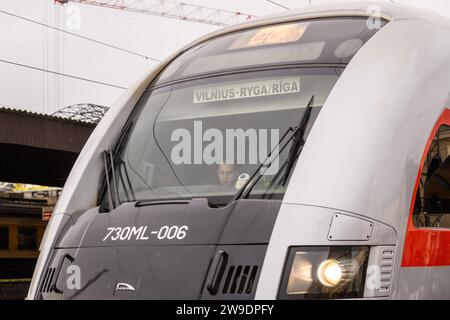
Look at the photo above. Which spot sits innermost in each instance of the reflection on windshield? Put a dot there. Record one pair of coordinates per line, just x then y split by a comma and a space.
325, 41
206, 138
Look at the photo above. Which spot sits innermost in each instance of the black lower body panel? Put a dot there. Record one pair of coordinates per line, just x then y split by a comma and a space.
152, 272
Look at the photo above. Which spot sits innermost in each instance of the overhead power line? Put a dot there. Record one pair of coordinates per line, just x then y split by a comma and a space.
79, 36
61, 74
277, 4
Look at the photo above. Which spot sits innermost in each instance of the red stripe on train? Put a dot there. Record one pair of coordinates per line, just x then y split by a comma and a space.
426, 247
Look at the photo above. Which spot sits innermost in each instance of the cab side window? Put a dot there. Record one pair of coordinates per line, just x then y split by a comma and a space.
432, 202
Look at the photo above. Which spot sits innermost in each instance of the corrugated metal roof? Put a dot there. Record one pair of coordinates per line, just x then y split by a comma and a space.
21, 127
14, 110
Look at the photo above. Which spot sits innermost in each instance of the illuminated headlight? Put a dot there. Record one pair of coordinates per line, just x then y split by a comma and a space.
324, 273
329, 273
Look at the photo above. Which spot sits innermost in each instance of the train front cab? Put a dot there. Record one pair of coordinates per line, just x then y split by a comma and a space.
164, 226
342, 229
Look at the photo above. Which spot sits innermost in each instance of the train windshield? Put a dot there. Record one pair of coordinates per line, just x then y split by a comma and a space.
203, 130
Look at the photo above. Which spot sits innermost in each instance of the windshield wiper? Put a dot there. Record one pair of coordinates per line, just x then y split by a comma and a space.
298, 141
295, 149
109, 164
113, 196
299, 131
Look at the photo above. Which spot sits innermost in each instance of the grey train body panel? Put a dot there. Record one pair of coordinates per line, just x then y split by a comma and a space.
360, 163
412, 280
373, 168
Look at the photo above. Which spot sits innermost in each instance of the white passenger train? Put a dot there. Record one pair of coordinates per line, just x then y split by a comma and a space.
302, 155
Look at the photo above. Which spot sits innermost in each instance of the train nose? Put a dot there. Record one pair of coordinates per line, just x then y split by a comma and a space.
178, 250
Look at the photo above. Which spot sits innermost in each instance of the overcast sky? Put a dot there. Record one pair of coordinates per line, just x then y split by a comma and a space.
30, 44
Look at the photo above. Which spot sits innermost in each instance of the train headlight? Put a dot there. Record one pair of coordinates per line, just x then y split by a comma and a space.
329, 273
324, 273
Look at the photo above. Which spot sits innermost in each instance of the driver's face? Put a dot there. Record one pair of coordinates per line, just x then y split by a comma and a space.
226, 174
